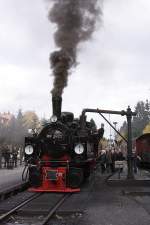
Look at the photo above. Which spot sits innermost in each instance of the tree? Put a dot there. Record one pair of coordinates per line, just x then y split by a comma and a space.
141, 119
21, 130
147, 108
11, 135
2, 133
123, 131
140, 122
146, 129
31, 120
14, 130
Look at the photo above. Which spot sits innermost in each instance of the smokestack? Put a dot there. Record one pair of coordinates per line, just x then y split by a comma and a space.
56, 103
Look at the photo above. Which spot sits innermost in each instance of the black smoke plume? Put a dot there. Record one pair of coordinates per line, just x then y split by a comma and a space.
76, 21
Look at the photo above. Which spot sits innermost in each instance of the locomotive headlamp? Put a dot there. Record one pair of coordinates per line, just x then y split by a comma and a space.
29, 150
53, 119
79, 149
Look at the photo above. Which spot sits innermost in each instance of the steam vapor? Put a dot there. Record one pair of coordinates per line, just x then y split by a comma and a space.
76, 21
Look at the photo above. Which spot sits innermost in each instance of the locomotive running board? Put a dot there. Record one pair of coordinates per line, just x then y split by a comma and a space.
66, 190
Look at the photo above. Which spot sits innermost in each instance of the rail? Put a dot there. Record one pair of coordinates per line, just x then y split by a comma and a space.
53, 210
4, 216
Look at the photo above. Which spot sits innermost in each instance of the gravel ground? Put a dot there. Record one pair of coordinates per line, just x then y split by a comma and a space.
108, 205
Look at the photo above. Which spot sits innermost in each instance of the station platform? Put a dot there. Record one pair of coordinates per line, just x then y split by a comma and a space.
109, 204
141, 177
10, 177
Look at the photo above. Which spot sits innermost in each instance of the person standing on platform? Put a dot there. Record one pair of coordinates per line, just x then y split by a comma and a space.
113, 159
134, 160
21, 154
14, 156
103, 161
120, 157
6, 157
108, 161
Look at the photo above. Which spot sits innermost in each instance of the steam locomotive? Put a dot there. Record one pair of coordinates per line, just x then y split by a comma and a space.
63, 154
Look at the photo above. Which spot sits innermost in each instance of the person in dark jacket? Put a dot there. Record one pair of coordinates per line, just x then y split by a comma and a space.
108, 161
14, 157
6, 156
113, 158
103, 161
120, 156
135, 159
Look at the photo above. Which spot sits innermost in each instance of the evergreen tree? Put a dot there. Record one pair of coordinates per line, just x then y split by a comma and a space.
31, 120
21, 130
141, 119
140, 122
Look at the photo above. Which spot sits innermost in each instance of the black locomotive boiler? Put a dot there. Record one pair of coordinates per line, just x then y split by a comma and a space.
63, 154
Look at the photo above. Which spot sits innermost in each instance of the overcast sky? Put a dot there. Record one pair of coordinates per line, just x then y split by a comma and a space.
113, 70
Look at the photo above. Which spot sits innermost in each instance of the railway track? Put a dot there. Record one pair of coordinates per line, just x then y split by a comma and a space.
53, 209
6, 215
4, 218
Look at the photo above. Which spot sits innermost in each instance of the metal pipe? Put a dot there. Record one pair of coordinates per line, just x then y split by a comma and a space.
104, 111
130, 174
122, 113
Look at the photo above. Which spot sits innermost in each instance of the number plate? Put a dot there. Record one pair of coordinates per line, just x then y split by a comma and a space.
51, 175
